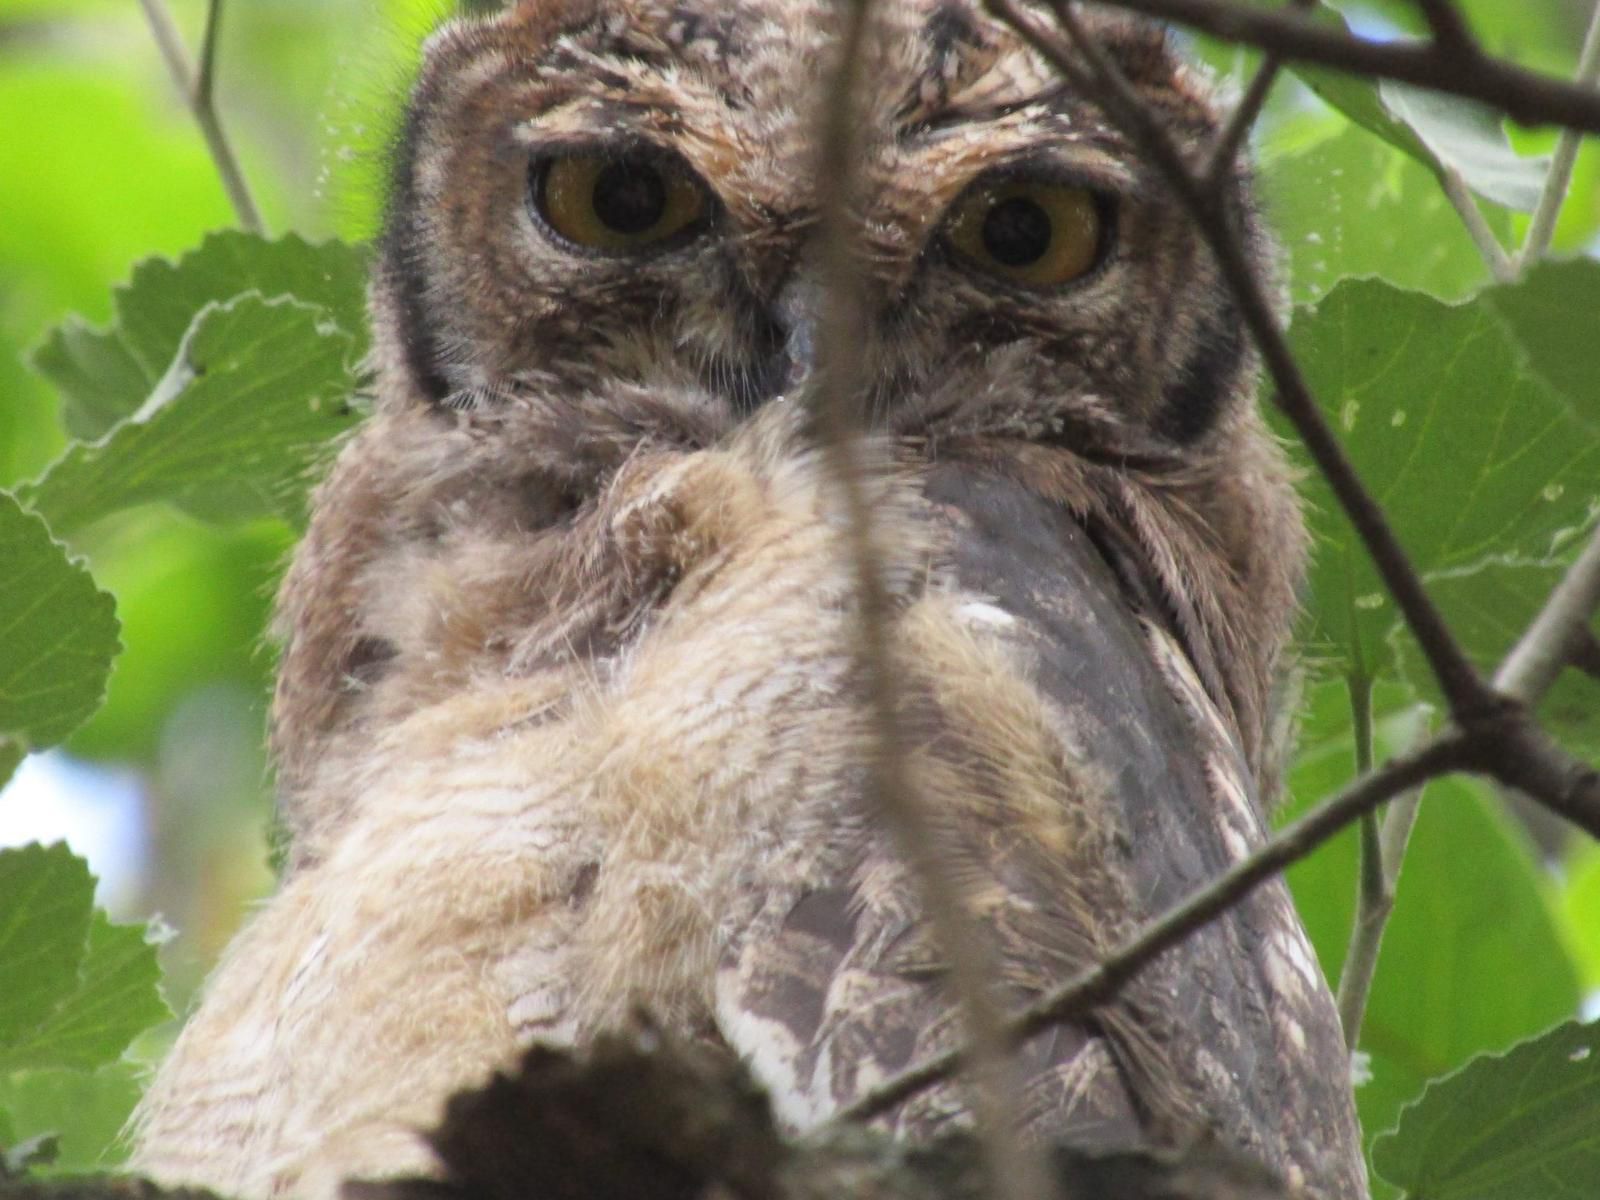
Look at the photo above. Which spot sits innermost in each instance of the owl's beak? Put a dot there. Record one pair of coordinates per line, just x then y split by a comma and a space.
797, 310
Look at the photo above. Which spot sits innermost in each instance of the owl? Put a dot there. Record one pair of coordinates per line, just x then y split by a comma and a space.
570, 720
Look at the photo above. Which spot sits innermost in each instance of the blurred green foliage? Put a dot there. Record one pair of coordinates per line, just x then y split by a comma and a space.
1470, 408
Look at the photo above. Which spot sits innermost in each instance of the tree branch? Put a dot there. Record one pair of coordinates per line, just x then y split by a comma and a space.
198, 94
1528, 97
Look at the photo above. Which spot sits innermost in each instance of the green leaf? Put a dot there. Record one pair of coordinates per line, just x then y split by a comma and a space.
46, 897
1551, 313
257, 390
78, 987
1350, 205
107, 375
58, 635
86, 1110
117, 997
1506, 1127
1472, 455
11, 756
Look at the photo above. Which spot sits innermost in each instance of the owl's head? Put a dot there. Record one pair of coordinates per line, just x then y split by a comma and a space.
602, 191
603, 237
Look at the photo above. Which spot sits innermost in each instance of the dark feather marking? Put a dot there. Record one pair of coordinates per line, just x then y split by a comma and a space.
1205, 380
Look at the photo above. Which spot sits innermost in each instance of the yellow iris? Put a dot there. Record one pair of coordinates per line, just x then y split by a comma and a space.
1028, 230
618, 203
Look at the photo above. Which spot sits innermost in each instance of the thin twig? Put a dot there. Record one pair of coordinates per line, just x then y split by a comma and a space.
206, 76
1460, 196
1372, 901
1528, 97
198, 94
1244, 114
1557, 634
1559, 178
1384, 838
1097, 985
1017, 1171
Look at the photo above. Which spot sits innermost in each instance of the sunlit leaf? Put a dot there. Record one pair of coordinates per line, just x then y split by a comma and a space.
58, 635
106, 375
1350, 205
46, 897
255, 394
1511, 1126
115, 998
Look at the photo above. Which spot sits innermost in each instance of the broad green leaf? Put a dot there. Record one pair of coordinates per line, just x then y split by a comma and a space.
257, 390
58, 635
1510, 1126
46, 897
87, 1110
1350, 205
106, 375
1551, 312
115, 998
1472, 455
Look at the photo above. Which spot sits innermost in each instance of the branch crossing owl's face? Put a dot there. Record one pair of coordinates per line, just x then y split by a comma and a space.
605, 192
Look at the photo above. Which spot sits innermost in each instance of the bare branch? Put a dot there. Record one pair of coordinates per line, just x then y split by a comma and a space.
1099, 984
841, 374
1450, 32
1460, 197
1528, 97
1543, 227
1244, 115
1558, 633
197, 93
206, 77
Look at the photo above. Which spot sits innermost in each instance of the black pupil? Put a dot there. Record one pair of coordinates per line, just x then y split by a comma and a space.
1016, 232
630, 197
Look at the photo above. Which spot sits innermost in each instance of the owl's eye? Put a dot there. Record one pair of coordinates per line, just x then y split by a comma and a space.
1029, 231
612, 203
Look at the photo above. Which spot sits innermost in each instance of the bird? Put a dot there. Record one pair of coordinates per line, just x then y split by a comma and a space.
570, 722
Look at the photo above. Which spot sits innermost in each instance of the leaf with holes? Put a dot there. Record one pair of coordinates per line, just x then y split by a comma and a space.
1473, 456
256, 392
106, 375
